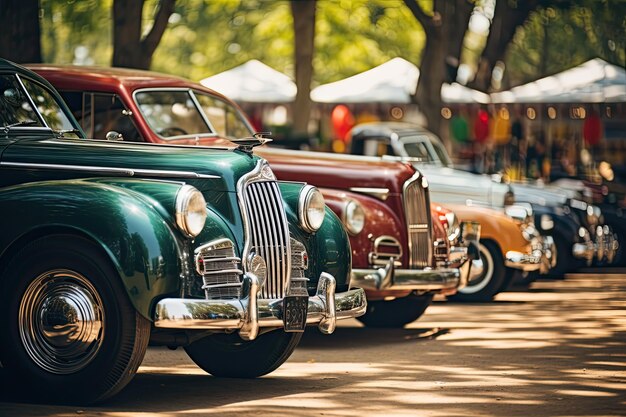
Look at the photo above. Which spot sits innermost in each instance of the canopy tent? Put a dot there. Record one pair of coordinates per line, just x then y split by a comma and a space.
392, 82
595, 81
253, 82
457, 93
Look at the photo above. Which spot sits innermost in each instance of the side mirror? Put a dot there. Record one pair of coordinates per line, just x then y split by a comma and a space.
113, 135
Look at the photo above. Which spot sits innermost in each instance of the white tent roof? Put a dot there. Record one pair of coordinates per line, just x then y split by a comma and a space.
457, 93
595, 81
253, 82
392, 82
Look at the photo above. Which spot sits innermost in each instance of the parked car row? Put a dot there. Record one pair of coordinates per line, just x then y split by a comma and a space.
179, 225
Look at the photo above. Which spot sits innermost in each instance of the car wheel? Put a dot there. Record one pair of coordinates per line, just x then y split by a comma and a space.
563, 263
395, 313
490, 280
227, 355
74, 336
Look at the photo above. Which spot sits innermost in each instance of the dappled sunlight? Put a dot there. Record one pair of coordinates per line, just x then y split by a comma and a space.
537, 353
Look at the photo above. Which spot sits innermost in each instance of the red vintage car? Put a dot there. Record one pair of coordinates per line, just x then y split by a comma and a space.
401, 254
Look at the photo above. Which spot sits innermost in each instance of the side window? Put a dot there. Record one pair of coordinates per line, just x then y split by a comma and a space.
48, 106
99, 114
376, 147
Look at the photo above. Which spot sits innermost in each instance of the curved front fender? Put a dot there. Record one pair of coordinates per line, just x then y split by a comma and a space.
328, 248
143, 247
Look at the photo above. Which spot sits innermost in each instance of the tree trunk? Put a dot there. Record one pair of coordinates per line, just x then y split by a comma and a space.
445, 31
129, 48
21, 36
508, 16
303, 12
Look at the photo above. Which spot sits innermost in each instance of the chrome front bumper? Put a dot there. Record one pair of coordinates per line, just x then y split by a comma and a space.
548, 259
584, 250
389, 278
250, 313
606, 244
527, 261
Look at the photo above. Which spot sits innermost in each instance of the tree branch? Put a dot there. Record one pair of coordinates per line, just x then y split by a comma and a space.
152, 39
428, 22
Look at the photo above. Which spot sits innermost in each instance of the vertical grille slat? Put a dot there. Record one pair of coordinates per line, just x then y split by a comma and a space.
270, 244
417, 212
269, 233
283, 241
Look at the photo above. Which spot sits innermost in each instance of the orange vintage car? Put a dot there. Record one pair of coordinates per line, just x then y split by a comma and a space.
509, 242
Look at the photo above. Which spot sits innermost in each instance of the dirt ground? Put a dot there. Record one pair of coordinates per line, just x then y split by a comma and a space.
556, 349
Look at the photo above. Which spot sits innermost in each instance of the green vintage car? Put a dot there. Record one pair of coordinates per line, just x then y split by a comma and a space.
107, 246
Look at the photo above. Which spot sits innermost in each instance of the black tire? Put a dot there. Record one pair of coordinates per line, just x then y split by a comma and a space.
510, 276
227, 355
564, 258
490, 282
46, 286
395, 313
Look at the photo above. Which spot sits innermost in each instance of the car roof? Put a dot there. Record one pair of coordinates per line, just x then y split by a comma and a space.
130, 78
365, 130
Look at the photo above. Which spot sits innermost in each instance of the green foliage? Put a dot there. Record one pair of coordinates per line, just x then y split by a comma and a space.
354, 36
205, 37
76, 31
590, 29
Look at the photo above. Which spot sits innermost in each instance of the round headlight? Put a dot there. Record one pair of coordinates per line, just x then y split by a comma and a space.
353, 217
311, 208
546, 222
454, 228
190, 210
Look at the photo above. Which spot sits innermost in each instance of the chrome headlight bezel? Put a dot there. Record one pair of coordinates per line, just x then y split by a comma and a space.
546, 222
353, 217
191, 210
521, 214
454, 227
529, 231
311, 208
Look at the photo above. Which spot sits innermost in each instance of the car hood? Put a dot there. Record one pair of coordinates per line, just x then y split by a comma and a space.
548, 196
205, 168
456, 186
337, 171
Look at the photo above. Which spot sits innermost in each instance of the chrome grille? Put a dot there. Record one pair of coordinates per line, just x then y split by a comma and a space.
220, 269
267, 231
417, 212
385, 248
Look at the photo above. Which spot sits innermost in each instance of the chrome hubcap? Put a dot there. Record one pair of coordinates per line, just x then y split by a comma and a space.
61, 321
480, 273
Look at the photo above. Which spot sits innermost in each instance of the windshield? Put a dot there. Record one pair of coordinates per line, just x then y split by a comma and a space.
172, 113
417, 150
15, 108
442, 153
225, 119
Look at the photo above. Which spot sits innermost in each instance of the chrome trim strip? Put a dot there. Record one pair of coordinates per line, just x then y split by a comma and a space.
124, 172
379, 193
